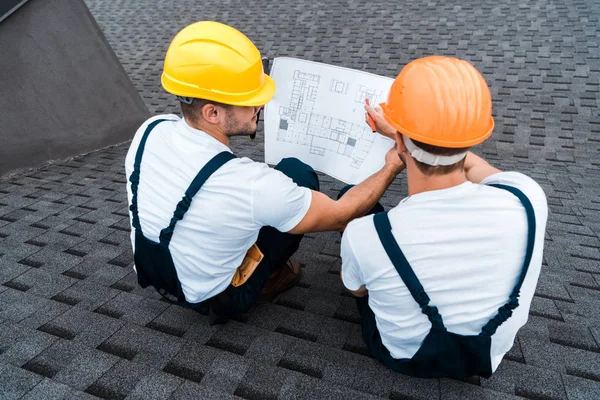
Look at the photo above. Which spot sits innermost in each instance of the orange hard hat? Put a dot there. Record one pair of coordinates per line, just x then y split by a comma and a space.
440, 101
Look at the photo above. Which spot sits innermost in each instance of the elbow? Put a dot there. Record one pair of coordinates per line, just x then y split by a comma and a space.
340, 223
341, 226
343, 216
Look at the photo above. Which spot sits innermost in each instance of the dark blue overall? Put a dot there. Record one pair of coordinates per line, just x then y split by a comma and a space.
442, 353
153, 261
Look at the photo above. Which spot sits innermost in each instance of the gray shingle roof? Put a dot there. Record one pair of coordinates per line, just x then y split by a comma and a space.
74, 323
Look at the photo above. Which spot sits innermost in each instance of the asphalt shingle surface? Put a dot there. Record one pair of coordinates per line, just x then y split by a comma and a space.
74, 324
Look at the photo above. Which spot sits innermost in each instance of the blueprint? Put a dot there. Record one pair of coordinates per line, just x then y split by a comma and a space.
318, 116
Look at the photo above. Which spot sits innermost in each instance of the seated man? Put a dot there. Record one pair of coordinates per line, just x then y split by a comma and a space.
445, 279
212, 230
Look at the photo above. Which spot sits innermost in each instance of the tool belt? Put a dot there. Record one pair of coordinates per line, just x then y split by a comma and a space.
251, 260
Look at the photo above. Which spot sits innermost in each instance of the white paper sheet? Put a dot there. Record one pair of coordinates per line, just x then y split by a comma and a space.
318, 116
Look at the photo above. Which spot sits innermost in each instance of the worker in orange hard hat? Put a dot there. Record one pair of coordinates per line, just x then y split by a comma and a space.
211, 231
444, 280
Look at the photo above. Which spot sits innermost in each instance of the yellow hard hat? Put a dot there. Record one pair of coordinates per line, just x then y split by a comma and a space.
213, 61
441, 101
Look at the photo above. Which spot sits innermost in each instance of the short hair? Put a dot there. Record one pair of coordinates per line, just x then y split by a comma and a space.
194, 111
431, 170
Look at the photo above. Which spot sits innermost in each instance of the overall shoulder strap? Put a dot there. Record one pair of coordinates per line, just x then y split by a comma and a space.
183, 206
506, 310
384, 230
135, 175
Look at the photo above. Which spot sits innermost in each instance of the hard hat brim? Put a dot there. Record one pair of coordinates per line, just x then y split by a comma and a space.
262, 96
437, 142
259, 97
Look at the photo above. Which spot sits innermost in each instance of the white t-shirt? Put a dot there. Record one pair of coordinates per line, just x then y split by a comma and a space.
225, 216
466, 244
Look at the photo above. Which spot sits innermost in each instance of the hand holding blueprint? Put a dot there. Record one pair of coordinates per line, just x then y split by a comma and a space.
318, 116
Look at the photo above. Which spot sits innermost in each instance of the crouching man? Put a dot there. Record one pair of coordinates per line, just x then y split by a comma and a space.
445, 279
212, 231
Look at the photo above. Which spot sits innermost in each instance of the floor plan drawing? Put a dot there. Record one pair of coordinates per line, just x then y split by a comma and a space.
299, 124
315, 117
364, 93
338, 87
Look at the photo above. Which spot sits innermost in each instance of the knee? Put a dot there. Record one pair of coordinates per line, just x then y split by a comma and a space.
344, 190
301, 173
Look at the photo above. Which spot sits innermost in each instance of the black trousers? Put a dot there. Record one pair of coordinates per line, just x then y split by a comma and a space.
276, 246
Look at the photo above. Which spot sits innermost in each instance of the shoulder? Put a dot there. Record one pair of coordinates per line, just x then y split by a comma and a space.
527, 185
249, 170
140, 132
360, 223
144, 126
513, 178
168, 117
264, 176
359, 232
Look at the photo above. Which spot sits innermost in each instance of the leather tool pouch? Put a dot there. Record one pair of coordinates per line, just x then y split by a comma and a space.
251, 260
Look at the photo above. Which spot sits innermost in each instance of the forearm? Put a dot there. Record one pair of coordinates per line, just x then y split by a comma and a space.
362, 197
326, 214
477, 169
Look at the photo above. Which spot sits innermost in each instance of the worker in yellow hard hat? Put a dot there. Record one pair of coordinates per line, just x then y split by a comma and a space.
209, 230
444, 280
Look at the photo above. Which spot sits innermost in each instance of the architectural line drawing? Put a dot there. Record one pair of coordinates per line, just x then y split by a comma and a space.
298, 124
363, 93
315, 116
338, 87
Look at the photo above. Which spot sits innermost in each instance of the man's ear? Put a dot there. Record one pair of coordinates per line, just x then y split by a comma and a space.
403, 152
400, 142
211, 113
